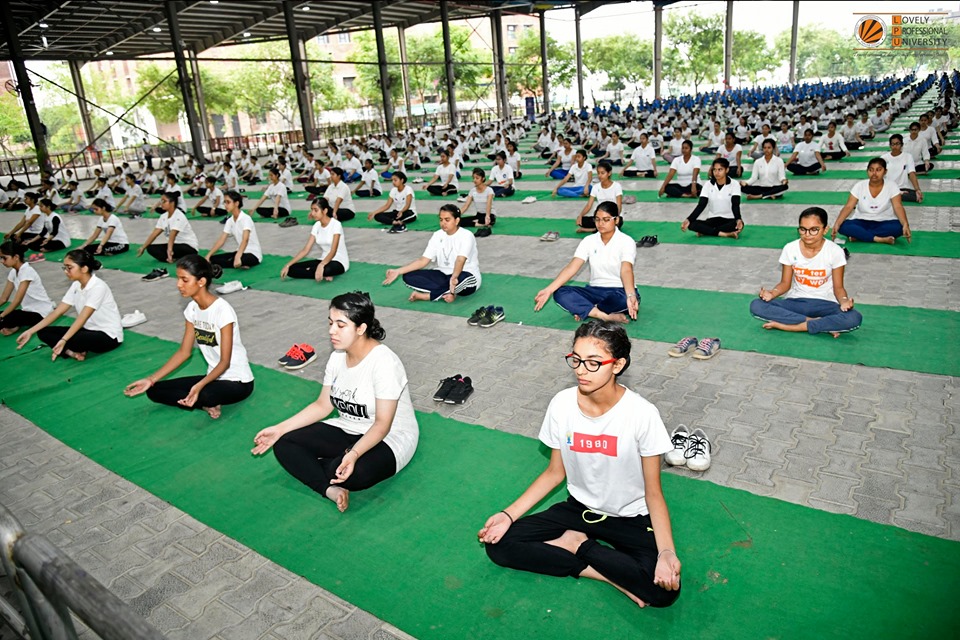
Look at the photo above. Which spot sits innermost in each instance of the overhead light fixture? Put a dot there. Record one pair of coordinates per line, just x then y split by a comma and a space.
306, 8
43, 25
157, 29
44, 39
109, 53
247, 34
214, 1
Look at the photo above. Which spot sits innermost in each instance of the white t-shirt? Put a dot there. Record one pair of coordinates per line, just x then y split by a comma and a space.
207, 324
236, 228
274, 190
37, 225
566, 159
370, 179
899, 169
444, 249
119, 235
62, 234
321, 176
643, 158
480, 200
605, 259
720, 199
874, 209
139, 202
36, 299
354, 392
178, 222
615, 151
580, 174
399, 198
324, 237
602, 455
513, 161
443, 172
606, 194
834, 144
730, 155
339, 190
807, 153
500, 176
767, 174
96, 295
214, 198
107, 195
684, 175
812, 277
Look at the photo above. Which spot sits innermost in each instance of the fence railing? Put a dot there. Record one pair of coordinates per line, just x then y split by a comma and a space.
49, 587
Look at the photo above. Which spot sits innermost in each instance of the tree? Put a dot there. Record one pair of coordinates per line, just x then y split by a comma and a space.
13, 122
524, 65
626, 60
821, 53
368, 75
694, 53
165, 102
751, 56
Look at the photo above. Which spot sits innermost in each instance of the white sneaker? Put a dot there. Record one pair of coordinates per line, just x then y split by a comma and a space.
529, 200
698, 451
231, 287
133, 319
417, 181
462, 199
679, 439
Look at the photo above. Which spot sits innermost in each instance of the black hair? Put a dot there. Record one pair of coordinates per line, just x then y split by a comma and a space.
608, 207
211, 179
401, 175
686, 143
480, 172
358, 307
32, 195
276, 172
172, 196
723, 162
322, 202
234, 195
878, 160
501, 156
452, 209
605, 165
13, 248
103, 204
896, 136
611, 334
819, 212
48, 203
582, 152
82, 259
768, 141
197, 266
337, 170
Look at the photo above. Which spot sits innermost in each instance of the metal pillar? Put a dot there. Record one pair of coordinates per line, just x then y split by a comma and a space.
728, 46
23, 86
657, 49
579, 58
793, 42
198, 85
495, 51
448, 64
301, 77
499, 68
543, 62
88, 133
186, 90
384, 69
402, 34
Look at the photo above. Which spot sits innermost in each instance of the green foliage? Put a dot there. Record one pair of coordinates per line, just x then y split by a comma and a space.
751, 56
13, 121
368, 75
165, 102
524, 65
694, 51
626, 60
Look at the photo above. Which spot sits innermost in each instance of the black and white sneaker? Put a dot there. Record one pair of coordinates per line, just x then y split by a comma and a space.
397, 228
445, 387
462, 388
156, 274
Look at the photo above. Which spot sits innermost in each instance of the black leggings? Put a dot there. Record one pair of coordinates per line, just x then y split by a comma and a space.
367, 193
308, 269
636, 173
225, 260
908, 195
675, 190
109, 249
313, 453
267, 212
798, 169
440, 190
19, 318
477, 220
713, 226
630, 564
317, 191
389, 217
831, 155
82, 341
53, 245
159, 251
344, 215
211, 212
218, 392
753, 190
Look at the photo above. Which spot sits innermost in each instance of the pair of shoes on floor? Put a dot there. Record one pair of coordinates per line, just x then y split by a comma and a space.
692, 450
397, 228
483, 232
36, 257
157, 274
453, 390
529, 200
288, 222
133, 319
550, 236
417, 181
486, 317
231, 287
700, 349
647, 241
298, 356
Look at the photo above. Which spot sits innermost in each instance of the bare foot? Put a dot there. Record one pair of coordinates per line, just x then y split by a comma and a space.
418, 296
730, 234
754, 197
79, 356
884, 239
610, 317
582, 230
339, 495
328, 278
9, 331
835, 334
593, 574
449, 297
577, 318
570, 540
213, 412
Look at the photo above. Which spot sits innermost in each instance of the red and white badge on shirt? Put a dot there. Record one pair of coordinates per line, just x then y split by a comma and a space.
586, 443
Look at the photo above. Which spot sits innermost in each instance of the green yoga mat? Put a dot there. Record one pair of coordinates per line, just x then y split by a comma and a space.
666, 315
815, 573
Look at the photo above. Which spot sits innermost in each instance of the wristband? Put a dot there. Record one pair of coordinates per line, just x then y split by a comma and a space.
509, 516
664, 551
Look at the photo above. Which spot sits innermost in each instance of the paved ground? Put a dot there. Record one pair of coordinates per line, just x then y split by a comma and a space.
874, 443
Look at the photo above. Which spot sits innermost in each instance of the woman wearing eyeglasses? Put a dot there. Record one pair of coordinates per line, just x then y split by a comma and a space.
876, 207
811, 284
606, 441
612, 293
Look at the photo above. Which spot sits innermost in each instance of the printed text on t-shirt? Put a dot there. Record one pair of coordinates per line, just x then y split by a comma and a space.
585, 443
810, 277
